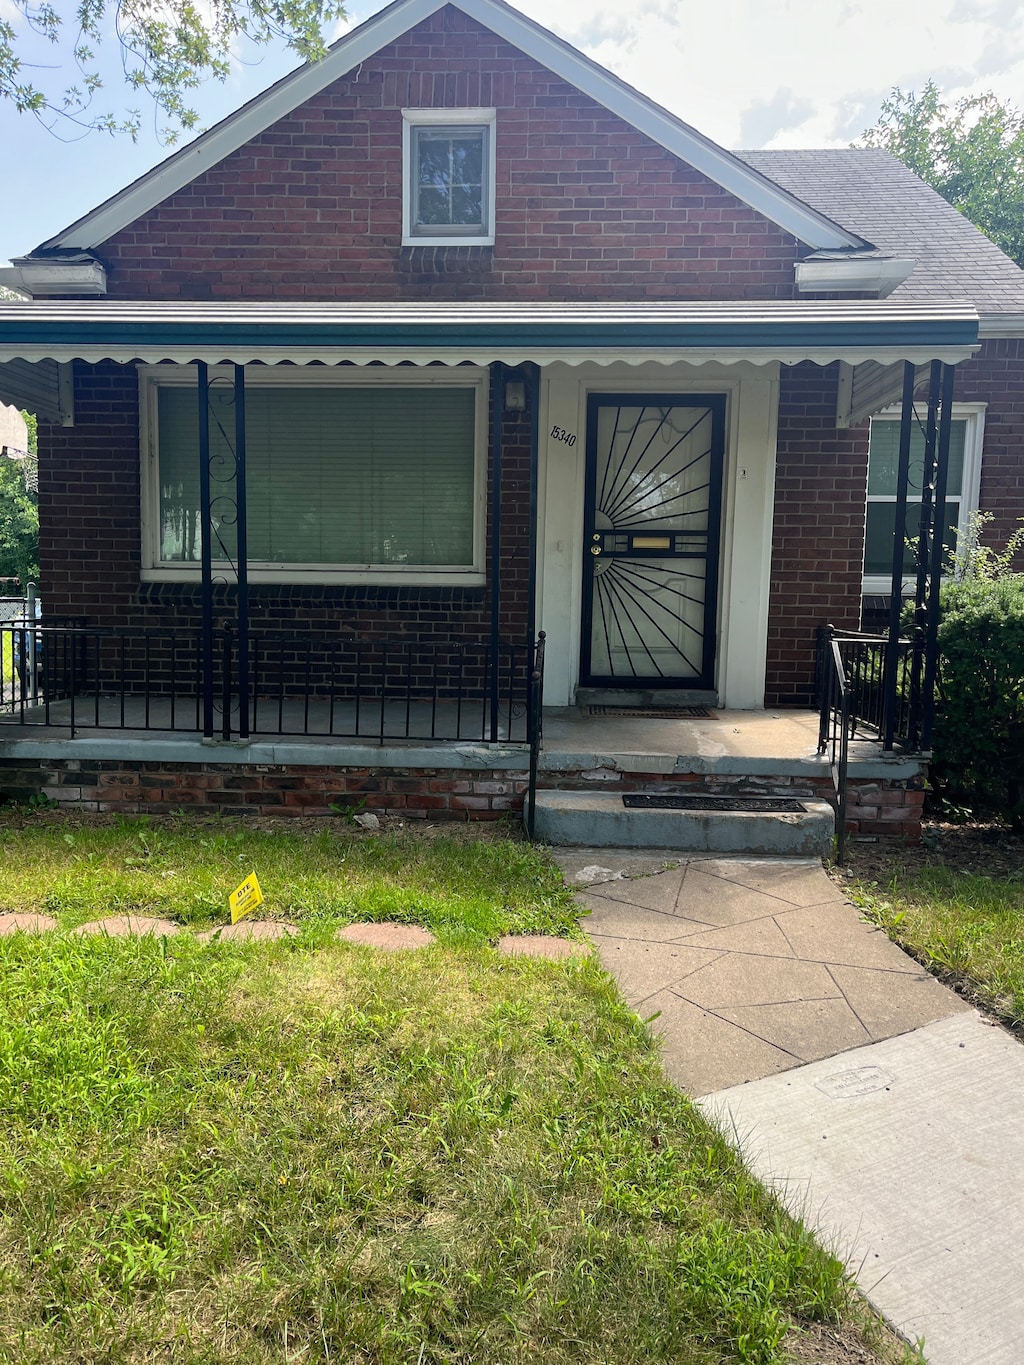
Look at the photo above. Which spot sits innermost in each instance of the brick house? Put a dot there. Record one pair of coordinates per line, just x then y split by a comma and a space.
453, 337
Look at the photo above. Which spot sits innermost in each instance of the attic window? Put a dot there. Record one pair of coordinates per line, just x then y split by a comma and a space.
448, 157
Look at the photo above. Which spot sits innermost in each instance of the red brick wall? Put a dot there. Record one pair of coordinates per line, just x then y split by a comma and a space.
818, 536
587, 208
135, 788
996, 377
882, 810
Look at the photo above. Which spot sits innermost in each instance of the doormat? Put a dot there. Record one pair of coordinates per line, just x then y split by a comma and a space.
652, 712
762, 805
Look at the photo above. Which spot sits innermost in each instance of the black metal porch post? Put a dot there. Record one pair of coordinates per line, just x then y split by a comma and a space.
931, 652
206, 547
923, 559
242, 555
898, 552
497, 408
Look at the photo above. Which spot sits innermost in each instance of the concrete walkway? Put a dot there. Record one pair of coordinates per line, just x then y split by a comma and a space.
883, 1109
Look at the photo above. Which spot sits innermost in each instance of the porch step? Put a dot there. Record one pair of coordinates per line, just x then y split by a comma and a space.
603, 820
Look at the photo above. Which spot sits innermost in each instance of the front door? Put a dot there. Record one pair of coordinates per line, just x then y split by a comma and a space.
653, 515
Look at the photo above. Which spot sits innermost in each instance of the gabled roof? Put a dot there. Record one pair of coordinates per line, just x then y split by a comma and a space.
872, 194
809, 225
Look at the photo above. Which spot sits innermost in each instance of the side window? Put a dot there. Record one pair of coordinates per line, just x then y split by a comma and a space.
961, 492
448, 197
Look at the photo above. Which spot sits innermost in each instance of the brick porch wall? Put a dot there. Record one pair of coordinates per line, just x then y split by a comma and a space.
883, 809
818, 535
996, 377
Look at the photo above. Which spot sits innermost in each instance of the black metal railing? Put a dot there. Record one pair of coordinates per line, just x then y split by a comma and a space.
300, 685
535, 732
868, 688
836, 720
884, 680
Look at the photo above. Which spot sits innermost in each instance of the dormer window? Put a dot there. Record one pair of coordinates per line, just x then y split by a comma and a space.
449, 178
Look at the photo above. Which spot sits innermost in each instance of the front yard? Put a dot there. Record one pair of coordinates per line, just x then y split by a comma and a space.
957, 905
305, 1151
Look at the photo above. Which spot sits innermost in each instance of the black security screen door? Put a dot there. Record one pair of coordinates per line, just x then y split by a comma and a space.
653, 515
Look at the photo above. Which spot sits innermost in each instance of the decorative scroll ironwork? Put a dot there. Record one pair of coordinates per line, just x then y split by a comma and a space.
654, 471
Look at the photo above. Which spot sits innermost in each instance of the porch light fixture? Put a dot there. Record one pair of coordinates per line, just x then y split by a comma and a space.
515, 396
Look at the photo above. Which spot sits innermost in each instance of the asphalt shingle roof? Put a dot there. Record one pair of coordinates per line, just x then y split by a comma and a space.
870, 193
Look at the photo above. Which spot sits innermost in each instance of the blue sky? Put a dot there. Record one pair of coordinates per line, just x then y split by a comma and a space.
748, 73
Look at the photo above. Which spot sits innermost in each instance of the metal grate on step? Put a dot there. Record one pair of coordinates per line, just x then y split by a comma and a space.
651, 712
760, 805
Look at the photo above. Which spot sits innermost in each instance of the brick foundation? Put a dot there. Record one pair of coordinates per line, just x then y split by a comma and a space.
134, 788
885, 809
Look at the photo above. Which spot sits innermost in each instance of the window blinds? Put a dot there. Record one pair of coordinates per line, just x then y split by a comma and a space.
336, 475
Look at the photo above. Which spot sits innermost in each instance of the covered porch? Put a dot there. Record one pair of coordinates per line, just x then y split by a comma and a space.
647, 579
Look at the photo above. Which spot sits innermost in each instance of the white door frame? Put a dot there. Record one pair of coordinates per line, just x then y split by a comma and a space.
747, 514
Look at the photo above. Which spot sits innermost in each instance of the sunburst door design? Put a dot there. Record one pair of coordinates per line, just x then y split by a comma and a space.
654, 490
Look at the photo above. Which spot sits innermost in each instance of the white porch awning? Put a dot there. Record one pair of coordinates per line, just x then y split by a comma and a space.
433, 332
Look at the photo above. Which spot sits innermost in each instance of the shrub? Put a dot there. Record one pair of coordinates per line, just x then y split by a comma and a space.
979, 718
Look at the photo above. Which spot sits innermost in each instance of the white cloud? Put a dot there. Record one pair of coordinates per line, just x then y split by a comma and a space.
713, 64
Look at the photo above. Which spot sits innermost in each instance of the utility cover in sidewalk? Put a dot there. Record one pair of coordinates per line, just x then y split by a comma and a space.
760, 805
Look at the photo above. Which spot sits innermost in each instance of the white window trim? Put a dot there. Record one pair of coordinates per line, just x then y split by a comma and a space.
153, 570
456, 117
973, 415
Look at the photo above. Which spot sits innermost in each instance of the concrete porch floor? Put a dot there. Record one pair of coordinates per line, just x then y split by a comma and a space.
770, 742
771, 734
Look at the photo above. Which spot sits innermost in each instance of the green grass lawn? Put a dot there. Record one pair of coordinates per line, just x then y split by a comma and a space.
305, 1151
465, 892
967, 928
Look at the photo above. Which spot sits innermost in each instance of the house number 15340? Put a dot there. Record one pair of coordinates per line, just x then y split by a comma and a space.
560, 434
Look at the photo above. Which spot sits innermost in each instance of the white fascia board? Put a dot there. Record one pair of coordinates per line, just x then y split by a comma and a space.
1009, 326
42, 279
863, 275
237, 129
719, 165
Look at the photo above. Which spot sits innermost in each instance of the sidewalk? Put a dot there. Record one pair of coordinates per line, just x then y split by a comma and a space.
883, 1109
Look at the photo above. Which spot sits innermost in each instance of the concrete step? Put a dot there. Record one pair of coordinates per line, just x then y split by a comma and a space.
602, 820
